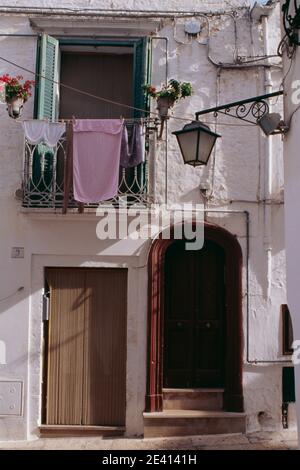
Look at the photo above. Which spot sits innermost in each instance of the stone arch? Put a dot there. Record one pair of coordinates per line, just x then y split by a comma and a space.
233, 394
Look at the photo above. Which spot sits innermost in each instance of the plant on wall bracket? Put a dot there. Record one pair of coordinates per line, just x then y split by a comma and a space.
15, 93
167, 96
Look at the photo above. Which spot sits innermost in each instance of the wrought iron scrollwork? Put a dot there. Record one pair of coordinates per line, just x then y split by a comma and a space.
249, 112
291, 20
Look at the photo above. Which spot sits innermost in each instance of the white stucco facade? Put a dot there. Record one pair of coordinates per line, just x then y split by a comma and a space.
245, 175
291, 188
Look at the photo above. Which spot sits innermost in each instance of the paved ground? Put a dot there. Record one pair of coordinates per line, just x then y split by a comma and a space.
256, 441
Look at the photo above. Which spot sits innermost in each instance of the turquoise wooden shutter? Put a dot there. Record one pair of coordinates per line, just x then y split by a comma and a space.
46, 107
141, 57
141, 77
47, 91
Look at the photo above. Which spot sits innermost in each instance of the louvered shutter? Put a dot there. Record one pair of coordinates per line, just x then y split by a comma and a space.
140, 75
46, 107
47, 92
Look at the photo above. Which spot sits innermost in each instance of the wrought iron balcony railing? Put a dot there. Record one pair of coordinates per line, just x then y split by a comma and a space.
43, 179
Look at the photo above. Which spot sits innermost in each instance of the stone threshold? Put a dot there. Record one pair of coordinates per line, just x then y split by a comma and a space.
53, 430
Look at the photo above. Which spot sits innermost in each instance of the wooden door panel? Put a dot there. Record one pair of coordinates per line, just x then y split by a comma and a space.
210, 313
65, 346
178, 353
178, 359
194, 317
104, 398
179, 271
86, 360
208, 378
209, 359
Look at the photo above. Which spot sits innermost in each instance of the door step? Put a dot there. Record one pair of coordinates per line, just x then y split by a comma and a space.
193, 422
54, 430
205, 399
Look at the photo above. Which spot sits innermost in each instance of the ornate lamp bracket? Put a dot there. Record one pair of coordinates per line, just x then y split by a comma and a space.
250, 110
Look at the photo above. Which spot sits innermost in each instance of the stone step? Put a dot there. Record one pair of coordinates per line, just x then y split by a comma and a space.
191, 422
53, 430
205, 399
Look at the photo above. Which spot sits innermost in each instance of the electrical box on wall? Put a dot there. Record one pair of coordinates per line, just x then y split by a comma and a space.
11, 398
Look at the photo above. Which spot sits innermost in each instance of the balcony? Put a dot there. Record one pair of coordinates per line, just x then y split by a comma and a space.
43, 179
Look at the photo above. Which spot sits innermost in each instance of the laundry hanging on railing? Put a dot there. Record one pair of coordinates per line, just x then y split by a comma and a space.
133, 146
68, 171
42, 131
96, 159
96, 151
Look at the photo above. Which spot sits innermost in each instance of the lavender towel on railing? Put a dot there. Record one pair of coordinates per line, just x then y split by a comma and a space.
133, 147
96, 159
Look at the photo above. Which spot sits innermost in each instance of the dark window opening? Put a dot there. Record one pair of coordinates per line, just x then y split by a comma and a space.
287, 331
108, 75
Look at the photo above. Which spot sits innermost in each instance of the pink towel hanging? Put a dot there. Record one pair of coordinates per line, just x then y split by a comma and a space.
96, 159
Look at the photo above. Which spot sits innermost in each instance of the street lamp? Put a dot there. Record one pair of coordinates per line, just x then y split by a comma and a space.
196, 142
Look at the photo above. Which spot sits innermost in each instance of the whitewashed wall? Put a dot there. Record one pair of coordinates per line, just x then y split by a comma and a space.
236, 181
292, 199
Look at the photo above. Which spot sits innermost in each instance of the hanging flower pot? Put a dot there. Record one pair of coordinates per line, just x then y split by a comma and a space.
16, 94
167, 97
15, 107
164, 104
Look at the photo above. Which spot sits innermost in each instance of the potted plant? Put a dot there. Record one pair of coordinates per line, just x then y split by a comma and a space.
16, 93
167, 96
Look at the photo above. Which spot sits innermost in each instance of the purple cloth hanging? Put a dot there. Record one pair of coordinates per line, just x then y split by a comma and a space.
132, 147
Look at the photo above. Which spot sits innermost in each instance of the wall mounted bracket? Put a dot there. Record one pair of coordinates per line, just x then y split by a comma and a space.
250, 110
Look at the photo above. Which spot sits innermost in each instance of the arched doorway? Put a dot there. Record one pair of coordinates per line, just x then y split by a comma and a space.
210, 340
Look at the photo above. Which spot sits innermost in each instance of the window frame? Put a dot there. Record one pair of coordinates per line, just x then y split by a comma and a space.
141, 70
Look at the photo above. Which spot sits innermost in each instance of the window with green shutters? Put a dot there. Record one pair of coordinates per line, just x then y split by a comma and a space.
47, 106
48, 65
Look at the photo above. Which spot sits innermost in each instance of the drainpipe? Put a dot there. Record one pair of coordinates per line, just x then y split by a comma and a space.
166, 39
268, 185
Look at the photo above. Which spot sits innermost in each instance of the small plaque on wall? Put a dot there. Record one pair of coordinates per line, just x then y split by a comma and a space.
17, 252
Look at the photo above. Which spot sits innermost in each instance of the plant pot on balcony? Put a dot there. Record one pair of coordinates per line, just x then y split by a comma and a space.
15, 107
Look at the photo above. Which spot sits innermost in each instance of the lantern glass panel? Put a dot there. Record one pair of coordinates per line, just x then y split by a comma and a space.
206, 144
188, 142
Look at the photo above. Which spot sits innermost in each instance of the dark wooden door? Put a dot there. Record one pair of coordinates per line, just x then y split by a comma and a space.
194, 327
86, 347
